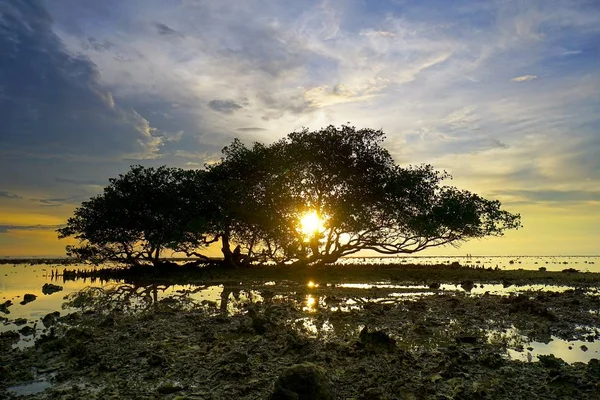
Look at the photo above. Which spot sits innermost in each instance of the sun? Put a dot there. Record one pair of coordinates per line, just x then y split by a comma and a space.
311, 224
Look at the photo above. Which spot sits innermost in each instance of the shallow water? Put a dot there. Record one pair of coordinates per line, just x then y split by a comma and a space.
20, 279
551, 263
523, 349
29, 388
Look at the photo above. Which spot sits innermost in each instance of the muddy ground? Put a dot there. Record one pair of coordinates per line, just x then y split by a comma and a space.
445, 345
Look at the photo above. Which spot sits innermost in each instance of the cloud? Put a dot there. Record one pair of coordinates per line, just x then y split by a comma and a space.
97, 45
464, 118
387, 34
9, 195
553, 195
524, 78
57, 202
53, 102
250, 129
323, 96
81, 182
224, 106
166, 30
8, 228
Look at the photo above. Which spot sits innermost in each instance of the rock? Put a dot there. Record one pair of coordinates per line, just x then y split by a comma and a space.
593, 369
522, 304
550, 361
168, 388
467, 285
50, 319
506, 283
50, 288
583, 347
376, 339
260, 324
4, 306
570, 270
28, 298
303, 382
20, 321
8, 338
27, 331
234, 357
156, 360
434, 285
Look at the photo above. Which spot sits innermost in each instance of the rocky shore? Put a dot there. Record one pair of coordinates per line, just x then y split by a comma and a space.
445, 345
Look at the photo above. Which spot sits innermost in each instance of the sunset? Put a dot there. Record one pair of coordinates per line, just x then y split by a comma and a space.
502, 95
304, 199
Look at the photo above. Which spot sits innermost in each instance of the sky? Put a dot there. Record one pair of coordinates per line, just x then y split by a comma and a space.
502, 94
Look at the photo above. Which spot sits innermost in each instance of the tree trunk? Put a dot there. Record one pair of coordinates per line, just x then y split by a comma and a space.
226, 249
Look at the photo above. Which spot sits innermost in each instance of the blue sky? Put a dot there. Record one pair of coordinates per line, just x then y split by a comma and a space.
504, 95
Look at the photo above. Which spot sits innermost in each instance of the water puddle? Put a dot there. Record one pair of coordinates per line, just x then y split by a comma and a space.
520, 347
569, 351
29, 388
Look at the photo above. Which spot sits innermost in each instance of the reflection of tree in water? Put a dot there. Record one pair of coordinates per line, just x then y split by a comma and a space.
141, 297
129, 297
234, 298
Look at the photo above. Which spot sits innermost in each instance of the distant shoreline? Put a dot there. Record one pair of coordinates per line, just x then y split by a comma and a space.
19, 259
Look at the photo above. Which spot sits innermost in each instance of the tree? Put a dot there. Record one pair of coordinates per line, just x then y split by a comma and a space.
256, 199
243, 194
363, 199
139, 216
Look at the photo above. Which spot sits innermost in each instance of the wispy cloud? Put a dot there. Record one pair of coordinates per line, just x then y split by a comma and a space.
165, 30
224, 106
8, 228
9, 195
524, 78
552, 196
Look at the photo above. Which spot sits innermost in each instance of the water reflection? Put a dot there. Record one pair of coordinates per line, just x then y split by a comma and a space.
327, 310
520, 347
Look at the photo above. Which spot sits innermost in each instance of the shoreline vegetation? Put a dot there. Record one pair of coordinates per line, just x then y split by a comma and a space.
454, 273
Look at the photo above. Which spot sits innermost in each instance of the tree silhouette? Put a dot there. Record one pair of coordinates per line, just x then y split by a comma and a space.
140, 215
365, 200
254, 200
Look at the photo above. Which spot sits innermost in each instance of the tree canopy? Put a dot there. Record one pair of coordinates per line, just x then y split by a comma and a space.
257, 202
140, 215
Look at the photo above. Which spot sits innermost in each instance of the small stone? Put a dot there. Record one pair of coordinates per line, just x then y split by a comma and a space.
50, 288
376, 339
27, 331
28, 298
169, 388
20, 321
303, 382
4, 306
50, 319
467, 285
583, 347
550, 361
